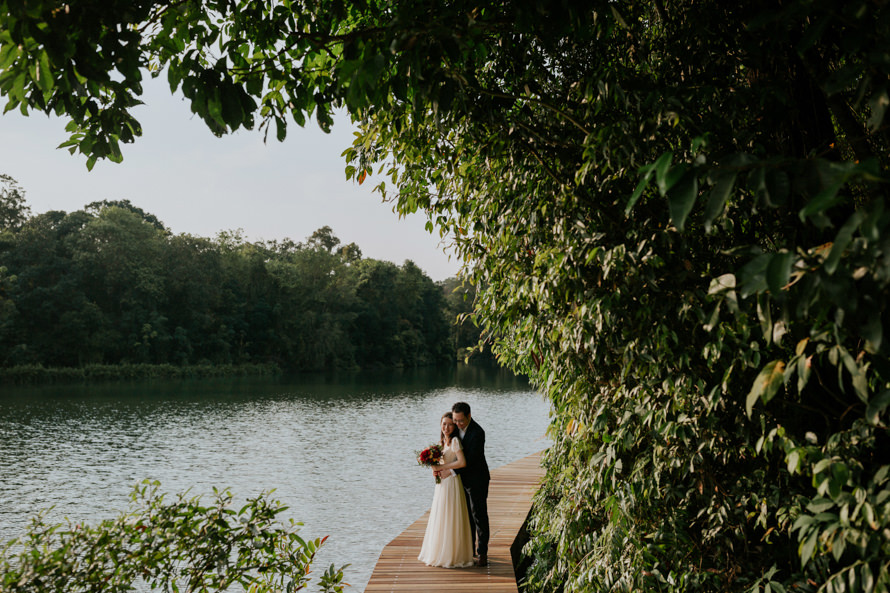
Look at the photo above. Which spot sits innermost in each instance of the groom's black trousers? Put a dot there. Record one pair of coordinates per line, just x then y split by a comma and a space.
477, 504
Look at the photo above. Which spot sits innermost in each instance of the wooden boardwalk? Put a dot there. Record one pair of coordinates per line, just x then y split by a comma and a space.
509, 501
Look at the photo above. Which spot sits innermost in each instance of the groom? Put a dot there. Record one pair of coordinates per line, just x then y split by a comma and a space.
475, 478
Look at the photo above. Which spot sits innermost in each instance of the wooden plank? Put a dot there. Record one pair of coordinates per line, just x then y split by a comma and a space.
509, 501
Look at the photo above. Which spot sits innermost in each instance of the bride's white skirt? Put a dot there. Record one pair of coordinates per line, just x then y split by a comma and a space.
447, 541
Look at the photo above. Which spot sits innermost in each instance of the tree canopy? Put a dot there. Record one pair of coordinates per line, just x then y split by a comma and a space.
110, 285
674, 210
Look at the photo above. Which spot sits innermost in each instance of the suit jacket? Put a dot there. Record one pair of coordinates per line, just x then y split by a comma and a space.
473, 442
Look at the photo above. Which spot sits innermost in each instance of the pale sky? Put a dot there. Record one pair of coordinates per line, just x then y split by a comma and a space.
199, 184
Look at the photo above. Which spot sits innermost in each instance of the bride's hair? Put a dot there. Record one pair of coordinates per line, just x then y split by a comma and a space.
455, 433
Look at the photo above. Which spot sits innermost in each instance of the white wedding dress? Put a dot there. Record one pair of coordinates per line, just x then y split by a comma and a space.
447, 541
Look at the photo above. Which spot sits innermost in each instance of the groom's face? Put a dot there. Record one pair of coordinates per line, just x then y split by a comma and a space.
461, 420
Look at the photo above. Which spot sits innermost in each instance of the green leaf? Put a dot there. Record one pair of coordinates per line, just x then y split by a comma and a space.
792, 461
869, 228
867, 577
858, 373
766, 385
804, 369
876, 407
18, 86
860, 383
802, 521
647, 175
822, 201
778, 272
837, 547
840, 474
878, 105
873, 331
681, 198
752, 276
717, 197
44, 73
777, 186
764, 315
673, 177
9, 53
842, 240
662, 166
821, 466
819, 505
253, 86
232, 114
618, 17
214, 107
756, 183
807, 547
721, 284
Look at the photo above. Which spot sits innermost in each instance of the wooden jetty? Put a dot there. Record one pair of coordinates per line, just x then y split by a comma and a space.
509, 502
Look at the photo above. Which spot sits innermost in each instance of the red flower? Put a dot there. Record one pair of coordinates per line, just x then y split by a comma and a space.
429, 457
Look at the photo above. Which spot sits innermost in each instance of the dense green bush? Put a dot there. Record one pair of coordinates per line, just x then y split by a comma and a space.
676, 213
179, 545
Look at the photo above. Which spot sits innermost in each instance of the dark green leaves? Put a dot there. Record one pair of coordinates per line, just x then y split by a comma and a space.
778, 272
665, 177
175, 545
723, 182
681, 198
842, 240
678, 183
878, 104
876, 407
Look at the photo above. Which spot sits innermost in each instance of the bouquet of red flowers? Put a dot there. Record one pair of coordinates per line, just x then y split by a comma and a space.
429, 457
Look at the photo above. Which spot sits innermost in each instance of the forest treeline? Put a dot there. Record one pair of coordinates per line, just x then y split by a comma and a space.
111, 285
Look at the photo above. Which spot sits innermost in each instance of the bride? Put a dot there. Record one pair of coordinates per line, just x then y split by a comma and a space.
447, 541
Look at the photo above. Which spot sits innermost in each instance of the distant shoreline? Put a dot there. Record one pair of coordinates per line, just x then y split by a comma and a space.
35, 374
39, 374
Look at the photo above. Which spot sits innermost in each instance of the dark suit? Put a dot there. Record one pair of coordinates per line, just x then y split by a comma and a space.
475, 478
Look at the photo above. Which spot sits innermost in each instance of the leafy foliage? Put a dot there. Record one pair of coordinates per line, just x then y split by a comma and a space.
675, 216
110, 285
182, 545
13, 209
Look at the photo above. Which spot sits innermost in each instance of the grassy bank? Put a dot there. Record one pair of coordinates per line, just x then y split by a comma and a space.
36, 374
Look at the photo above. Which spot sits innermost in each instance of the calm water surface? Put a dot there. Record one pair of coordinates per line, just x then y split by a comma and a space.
338, 450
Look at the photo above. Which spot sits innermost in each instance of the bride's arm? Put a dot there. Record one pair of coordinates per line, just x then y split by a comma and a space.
458, 463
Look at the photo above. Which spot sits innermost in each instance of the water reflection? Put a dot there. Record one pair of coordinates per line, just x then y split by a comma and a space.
338, 450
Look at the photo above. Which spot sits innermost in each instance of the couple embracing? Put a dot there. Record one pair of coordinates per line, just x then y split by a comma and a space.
457, 531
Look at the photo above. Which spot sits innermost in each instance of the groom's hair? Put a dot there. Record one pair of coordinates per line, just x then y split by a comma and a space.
461, 408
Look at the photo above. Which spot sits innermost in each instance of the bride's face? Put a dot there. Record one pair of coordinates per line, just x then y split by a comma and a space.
447, 426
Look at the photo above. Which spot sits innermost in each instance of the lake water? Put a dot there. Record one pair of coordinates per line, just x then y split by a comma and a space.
338, 450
